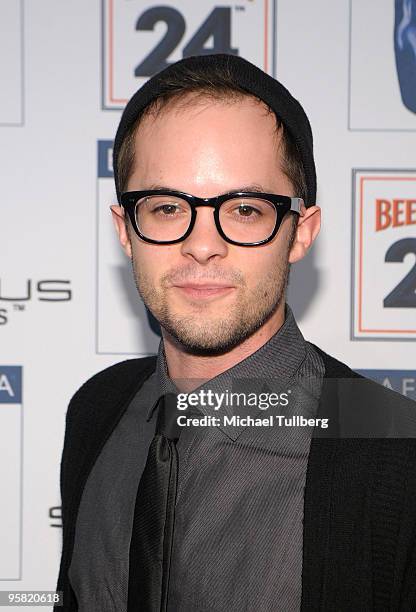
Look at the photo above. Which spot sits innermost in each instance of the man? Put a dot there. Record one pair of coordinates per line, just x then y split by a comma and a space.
283, 506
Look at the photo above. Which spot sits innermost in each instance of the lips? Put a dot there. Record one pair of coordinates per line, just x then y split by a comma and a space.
202, 286
203, 291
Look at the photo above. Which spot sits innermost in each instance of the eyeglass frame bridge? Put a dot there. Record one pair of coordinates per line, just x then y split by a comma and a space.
129, 201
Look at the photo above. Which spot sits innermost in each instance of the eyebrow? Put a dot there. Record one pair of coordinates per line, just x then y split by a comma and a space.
255, 187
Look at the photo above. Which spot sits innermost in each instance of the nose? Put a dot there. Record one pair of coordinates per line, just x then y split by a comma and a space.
204, 243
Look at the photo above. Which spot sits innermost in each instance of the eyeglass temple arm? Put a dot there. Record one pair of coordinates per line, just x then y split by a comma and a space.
296, 204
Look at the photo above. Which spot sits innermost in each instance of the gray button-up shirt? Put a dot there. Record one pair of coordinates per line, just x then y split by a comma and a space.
239, 508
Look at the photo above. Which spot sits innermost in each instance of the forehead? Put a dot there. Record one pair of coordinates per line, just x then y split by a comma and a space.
208, 143
192, 117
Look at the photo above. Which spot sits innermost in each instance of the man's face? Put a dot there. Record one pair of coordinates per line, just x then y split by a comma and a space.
207, 294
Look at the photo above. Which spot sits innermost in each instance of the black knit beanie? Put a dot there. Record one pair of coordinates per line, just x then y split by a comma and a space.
248, 77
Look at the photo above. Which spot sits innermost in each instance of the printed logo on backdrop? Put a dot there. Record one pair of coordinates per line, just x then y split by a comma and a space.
382, 65
11, 62
402, 381
123, 324
11, 465
19, 295
384, 255
141, 38
55, 516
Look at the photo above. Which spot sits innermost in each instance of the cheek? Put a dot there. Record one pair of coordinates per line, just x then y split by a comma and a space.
152, 261
265, 270
258, 268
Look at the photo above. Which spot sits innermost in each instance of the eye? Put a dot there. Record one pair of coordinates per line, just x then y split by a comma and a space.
166, 209
163, 206
245, 210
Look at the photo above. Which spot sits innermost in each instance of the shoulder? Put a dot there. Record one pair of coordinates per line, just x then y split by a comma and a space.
374, 409
118, 374
111, 384
333, 367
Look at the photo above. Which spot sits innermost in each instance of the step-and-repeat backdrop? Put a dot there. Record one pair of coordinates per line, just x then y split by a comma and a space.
68, 304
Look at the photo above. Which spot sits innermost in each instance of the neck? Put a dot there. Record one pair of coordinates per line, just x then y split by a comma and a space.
189, 371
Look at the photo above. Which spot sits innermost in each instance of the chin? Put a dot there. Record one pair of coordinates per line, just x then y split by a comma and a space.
217, 339
204, 349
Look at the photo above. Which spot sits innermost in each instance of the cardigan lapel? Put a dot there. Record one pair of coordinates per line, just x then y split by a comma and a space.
88, 440
321, 505
318, 499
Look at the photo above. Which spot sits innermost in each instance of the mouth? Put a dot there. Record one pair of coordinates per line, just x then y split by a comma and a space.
203, 292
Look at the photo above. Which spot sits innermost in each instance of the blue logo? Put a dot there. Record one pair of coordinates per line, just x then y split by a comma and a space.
402, 381
405, 50
10, 384
105, 159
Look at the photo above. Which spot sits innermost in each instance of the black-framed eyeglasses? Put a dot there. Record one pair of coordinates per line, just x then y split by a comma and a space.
243, 218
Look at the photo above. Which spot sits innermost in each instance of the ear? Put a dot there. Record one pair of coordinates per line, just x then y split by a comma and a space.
121, 229
309, 224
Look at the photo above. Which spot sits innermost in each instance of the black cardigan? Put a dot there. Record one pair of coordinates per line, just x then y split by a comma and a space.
359, 534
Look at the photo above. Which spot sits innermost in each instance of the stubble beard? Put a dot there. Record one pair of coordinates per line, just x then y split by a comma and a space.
204, 332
